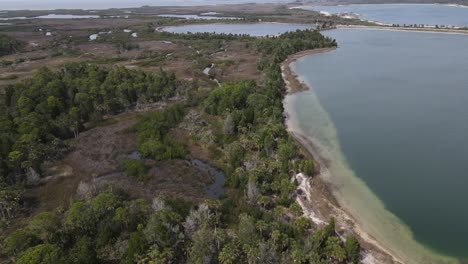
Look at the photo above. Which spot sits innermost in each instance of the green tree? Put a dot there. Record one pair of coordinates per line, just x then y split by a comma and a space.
45, 225
303, 222
334, 250
137, 245
131, 214
78, 218
353, 249
164, 228
19, 241
83, 252
10, 201
308, 167
154, 255
247, 232
230, 253
135, 169
9, 45
203, 249
42, 254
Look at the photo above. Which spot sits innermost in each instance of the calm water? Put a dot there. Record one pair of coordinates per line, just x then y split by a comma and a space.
55, 16
427, 14
258, 29
390, 109
206, 17
215, 190
104, 4
51, 16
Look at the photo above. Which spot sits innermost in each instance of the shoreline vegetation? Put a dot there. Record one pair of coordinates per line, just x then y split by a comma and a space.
323, 204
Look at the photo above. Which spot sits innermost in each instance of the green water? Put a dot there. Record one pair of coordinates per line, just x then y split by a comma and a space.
389, 111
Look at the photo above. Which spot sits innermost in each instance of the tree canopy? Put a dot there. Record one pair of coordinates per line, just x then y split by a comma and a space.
9, 45
258, 221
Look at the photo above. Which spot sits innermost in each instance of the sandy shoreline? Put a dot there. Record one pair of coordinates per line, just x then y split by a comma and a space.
424, 30
378, 26
316, 197
293, 83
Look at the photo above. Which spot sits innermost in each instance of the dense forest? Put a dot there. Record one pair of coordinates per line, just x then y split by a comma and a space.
38, 116
256, 221
9, 45
154, 140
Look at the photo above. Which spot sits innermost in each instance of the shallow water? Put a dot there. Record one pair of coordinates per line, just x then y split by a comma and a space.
211, 13
206, 71
50, 16
215, 189
389, 110
58, 16
255, 29
426, 14
12, 18
93, 37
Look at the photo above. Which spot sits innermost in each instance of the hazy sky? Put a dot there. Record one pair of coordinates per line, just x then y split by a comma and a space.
95, 4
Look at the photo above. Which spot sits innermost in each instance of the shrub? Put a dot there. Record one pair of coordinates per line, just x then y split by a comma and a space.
136, 169
308, 167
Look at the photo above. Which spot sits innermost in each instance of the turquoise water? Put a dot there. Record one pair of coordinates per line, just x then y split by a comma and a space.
255, 29
390, 110
427, 14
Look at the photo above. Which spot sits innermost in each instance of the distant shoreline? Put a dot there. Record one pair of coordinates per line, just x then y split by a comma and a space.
390, 28
458, 29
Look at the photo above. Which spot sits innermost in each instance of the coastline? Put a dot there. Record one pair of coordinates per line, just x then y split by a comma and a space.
316, 197
378, 26
424, 30
293, 82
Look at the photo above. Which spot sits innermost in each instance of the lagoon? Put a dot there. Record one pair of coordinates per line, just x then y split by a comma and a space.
51, 16
409, 14
389, 111
254, 29
65, 16
201, 16
104, 4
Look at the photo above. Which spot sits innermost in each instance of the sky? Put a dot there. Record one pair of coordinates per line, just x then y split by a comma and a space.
102, 4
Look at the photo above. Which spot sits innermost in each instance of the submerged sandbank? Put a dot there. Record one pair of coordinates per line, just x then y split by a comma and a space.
358, 210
